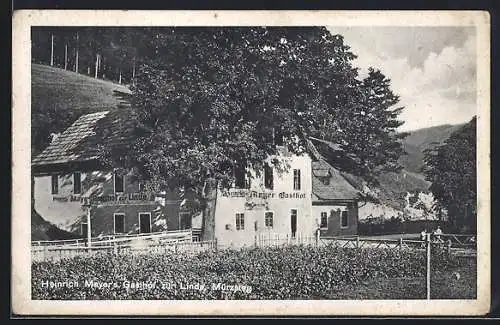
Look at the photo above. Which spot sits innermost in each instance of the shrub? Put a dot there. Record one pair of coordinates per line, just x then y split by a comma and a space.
295, 272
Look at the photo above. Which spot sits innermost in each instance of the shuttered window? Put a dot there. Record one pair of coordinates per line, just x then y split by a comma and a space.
240, 221
324, 220
119, 223
296, 179
119, 182
269, 219
77, 183
343, 219
55, 184
268, 177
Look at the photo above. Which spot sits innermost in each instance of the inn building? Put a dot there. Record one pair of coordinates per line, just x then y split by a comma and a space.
309, 196
71, 185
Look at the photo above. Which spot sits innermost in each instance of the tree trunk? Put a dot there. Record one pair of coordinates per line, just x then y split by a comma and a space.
66, 56
96, 65
76, 59
51, 49
133, 72
210, 198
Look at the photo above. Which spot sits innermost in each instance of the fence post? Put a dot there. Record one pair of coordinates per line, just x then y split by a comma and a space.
428, 277
401, 243
215, 243
449, 247
357, 241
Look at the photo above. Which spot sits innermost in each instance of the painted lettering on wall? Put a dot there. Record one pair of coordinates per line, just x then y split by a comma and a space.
111, 199
262, 195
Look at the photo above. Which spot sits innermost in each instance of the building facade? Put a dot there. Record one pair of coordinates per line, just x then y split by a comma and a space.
335, 201
71, 188
273, 203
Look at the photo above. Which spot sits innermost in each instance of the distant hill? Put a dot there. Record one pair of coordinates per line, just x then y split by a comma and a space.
44, 230
394, 189
422, 139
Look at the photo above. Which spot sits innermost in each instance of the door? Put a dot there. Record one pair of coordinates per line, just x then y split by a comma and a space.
83, 229
293, 219
145, 222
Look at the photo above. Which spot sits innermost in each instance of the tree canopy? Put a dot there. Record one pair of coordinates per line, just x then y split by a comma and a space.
207, 100
451, 168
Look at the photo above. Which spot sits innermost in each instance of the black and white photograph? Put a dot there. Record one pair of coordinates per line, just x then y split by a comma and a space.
255, 162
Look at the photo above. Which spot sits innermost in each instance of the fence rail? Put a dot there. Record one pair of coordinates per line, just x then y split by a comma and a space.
54, 253
110, 240
183, 241
453, 243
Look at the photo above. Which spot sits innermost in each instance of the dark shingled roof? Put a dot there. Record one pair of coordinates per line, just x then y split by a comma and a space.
80, 142
337, 189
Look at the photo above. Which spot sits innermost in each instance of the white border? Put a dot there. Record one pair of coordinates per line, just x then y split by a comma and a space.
21, 260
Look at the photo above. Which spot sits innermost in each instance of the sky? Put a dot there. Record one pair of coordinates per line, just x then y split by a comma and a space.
432, 69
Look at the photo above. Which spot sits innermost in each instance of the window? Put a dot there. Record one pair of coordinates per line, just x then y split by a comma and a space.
77, 183
343, 219
324, 220
268, 218
278, 137
240, 221
296, 179
239, 175
293, 221
119, 223
141, 187
144, 222
83, 229
119, 182
268, 177
55, 184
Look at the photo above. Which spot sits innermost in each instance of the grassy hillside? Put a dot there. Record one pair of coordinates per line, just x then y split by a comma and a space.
59, 97
69, 90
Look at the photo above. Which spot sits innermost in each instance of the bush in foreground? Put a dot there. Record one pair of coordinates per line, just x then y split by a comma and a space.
296, 272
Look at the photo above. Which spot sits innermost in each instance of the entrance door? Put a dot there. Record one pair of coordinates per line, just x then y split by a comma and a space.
83, 229
293, 219
145, 222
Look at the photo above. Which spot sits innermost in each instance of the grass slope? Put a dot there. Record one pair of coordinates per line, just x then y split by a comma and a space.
72, 91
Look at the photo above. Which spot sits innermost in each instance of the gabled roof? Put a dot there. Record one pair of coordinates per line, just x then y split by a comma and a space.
338, 188
80, 142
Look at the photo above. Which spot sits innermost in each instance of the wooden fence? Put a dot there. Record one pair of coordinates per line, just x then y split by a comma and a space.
453, 243
54, 253
183, 241
121, 239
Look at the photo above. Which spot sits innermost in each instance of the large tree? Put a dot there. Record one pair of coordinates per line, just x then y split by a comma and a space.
451, 168
208, 99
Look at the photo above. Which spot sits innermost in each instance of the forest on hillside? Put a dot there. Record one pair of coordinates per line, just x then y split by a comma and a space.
105, 53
